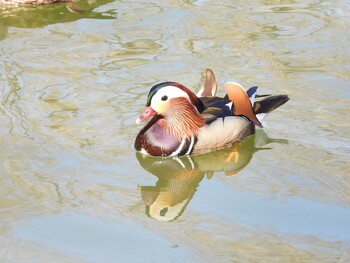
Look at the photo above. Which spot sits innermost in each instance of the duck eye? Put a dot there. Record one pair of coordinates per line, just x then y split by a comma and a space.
164, 98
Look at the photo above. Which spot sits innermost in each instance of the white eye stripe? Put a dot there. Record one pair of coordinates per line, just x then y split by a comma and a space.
170, 92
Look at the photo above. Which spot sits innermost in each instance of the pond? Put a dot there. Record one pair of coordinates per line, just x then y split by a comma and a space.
74, 78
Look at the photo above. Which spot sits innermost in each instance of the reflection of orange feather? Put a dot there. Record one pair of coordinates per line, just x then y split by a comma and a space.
242, 104
234, 155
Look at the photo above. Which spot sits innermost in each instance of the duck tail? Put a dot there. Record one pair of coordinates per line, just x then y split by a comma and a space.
265, 106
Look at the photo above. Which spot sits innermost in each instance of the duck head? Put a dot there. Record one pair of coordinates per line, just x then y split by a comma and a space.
175, 107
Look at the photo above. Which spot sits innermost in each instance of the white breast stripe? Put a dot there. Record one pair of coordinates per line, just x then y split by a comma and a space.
178, 150
190, 147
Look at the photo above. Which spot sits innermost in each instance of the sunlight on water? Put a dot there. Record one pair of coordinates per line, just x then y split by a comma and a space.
73, 79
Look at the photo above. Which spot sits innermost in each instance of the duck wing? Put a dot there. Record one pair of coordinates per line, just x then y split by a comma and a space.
216, 108
210, 85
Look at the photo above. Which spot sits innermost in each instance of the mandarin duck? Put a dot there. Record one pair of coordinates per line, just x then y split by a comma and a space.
183, 123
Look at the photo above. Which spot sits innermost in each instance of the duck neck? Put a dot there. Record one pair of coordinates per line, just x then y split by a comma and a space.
183, 120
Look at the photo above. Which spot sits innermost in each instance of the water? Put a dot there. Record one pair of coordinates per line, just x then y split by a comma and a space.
73, 79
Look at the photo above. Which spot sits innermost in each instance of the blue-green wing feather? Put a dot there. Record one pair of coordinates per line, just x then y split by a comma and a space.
215, 108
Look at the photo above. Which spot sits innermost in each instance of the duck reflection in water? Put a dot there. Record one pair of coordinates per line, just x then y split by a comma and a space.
179, 177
